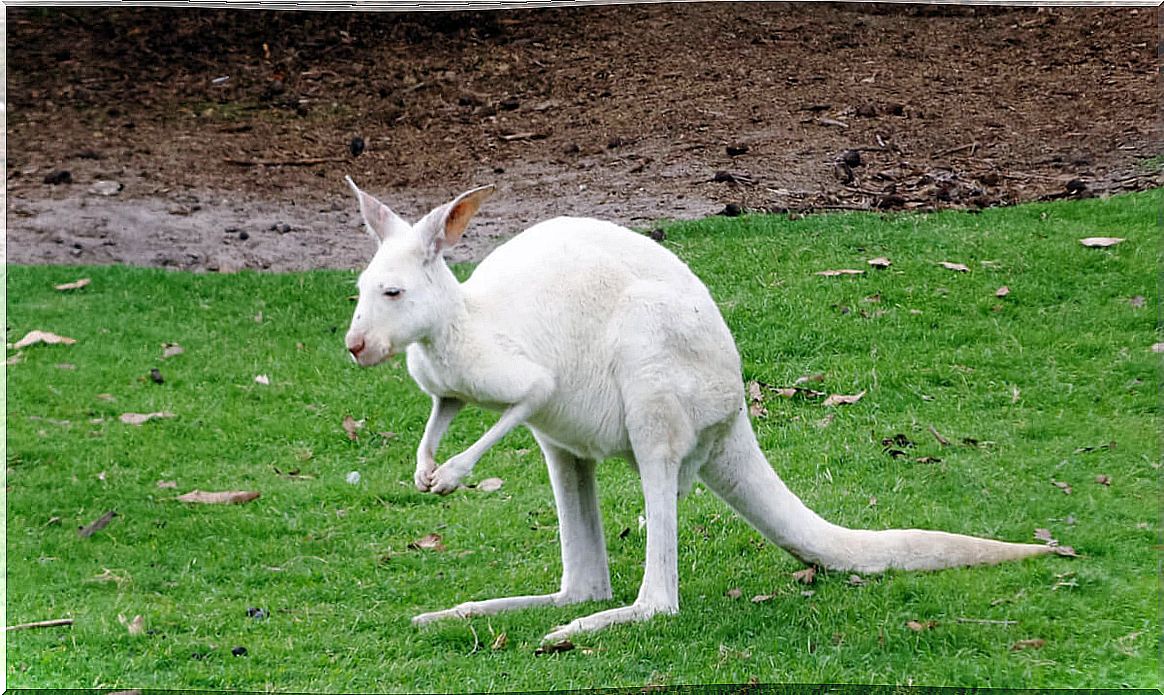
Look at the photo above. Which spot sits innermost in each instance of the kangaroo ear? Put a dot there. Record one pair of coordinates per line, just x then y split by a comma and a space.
445, 225
379, 219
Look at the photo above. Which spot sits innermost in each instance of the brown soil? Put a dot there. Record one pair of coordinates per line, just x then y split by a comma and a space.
629, 113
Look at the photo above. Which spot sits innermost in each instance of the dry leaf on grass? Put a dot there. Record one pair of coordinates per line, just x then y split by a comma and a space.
760, 598
880, 263
15, 359
500, 641
1103, 479
430, 542
142, 418
1100, 242
1065, 487
98, 524
1002, 291
826, 420
226, 497
490, 484
756, 400
75, 285
562, 646
805, 576
167, 484
1157, 347
1028, 644
1137, 302
352, 426
263, 380
1042, 534
171, 350
809, 378
135, 626
839, 272
35, 337
856, 580
733, 593
920, 626
961, 268
837, 399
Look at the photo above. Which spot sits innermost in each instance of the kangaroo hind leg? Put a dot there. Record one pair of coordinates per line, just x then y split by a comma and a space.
662, 439
585, 573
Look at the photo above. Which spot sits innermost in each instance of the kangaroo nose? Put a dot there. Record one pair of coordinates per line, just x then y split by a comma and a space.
355, 346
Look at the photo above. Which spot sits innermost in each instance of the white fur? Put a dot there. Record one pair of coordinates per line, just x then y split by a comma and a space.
604, 344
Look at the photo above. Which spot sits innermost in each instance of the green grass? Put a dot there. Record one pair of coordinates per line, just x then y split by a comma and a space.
330, 561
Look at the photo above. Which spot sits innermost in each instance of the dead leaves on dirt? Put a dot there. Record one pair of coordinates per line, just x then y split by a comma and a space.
226, 497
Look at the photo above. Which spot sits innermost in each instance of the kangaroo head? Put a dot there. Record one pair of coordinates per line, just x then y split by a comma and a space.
407, 292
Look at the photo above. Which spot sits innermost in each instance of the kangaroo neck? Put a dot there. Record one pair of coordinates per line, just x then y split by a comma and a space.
448, 331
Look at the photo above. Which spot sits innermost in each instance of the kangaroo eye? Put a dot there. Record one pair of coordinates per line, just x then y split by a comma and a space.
393, 292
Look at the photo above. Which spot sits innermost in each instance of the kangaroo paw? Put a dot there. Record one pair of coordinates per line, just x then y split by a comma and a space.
627, 614
448, 476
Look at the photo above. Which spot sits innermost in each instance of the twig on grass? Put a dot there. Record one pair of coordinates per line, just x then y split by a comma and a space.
476, 642
59, 622
938, 436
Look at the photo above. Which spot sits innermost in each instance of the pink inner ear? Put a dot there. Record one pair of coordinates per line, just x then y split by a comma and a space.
457, 222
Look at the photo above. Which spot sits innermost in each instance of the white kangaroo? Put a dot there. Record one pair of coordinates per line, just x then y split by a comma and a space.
603, 344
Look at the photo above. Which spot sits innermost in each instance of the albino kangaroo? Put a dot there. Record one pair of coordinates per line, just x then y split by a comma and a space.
602, 343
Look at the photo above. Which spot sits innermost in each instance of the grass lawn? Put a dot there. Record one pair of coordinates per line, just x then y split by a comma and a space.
1053, 383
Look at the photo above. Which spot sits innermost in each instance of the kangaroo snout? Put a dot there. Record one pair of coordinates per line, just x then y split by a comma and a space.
355, 345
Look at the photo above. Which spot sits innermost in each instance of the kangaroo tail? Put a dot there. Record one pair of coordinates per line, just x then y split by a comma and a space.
740, 475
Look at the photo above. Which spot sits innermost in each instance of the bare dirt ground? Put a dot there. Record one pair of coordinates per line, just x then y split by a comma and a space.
218, 140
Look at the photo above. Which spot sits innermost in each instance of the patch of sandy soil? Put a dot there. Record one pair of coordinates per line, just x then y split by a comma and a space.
218, 140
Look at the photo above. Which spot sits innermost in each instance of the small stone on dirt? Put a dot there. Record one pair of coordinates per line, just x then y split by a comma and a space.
57, 177
356, 146
105, 188
732, 210
851, 157
737, 150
